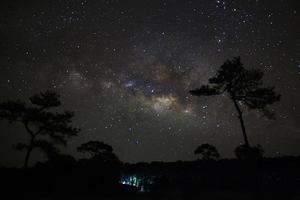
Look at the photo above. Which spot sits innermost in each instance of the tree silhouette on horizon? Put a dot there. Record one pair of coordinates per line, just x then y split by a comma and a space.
243, 152
40, 123
98, 150
244, 88
207, 151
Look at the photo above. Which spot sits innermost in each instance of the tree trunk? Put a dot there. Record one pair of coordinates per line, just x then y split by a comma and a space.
28, 152
240, 116
27, 157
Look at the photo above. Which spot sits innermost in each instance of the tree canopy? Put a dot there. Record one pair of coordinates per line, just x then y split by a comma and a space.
99, 151
207, 151
45, 127
95, 148
244, 87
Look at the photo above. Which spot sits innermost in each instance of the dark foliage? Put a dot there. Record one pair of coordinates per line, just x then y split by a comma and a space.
44, 127
244, 152
243, 86
95, 148
207, 151
271, 178
62, 177
98, 151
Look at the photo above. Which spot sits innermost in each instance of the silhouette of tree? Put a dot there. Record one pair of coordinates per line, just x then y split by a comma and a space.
103, 168
243, 86
40, 122
98, 150
95, 148
244, 152
207, 151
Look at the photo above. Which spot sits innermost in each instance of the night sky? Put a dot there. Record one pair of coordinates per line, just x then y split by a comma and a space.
126, 67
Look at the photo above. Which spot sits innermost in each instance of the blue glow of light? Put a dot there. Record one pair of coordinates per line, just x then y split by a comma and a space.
140, 182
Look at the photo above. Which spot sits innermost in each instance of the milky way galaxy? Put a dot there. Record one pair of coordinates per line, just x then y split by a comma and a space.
126, 67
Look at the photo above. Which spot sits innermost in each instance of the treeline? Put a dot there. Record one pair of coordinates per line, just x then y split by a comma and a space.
66, 177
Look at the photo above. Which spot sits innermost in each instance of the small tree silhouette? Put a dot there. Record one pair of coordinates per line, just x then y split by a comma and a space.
207, 151
98, 150
244, 152
39, 121
243, 87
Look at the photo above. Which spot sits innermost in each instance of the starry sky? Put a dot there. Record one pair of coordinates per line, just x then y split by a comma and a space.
125, 68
